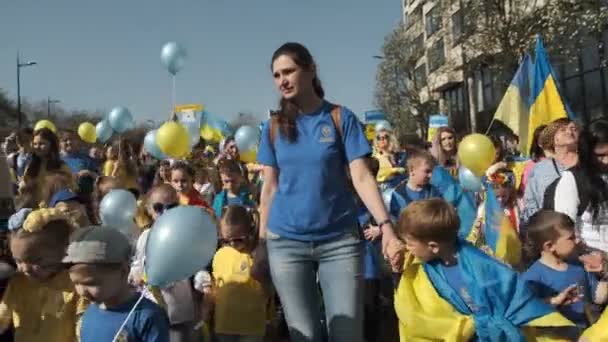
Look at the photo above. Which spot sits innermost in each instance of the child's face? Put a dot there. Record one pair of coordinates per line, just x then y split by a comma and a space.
99, 284
237, 236
181, 181
230, 181
34, 261
425, 251
503, 194
69, 144
160, 201
420, 173
566, 244
110, 154
165, 172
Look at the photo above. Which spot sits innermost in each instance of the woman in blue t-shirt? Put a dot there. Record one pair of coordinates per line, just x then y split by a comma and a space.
308, 214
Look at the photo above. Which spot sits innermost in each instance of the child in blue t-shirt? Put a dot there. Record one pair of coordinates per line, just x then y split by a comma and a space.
98, 259
556, 275
418, 187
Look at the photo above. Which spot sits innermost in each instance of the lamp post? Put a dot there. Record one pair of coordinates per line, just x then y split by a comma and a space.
19, 66
49, 102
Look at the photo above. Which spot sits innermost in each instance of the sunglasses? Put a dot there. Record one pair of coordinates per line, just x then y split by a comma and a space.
160, 208
382, 137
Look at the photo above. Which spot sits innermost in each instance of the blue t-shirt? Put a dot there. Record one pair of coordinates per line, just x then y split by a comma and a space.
313, 201
78, 162
548, 282
149, 323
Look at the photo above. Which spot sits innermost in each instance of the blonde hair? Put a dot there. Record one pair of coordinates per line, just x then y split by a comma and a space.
437, 150
393, 143
415, 157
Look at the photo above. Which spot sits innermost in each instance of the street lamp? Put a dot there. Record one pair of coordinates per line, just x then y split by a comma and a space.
19, 66
49, 101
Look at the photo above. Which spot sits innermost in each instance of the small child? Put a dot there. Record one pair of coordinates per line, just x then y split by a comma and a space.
235, 187
119, 164
40, 300
178, 298
503, 182
454, 291
98, 260
241, 301
556, 275
418, 187
182, 180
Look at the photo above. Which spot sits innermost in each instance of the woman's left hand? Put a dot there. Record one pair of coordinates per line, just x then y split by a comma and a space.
392, 247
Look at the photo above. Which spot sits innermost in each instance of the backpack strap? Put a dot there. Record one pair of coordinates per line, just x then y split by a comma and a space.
336, 118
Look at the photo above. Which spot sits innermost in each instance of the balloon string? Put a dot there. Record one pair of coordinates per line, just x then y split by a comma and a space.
129, 315
173, 95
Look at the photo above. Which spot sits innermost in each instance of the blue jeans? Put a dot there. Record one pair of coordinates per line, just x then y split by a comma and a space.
294, 266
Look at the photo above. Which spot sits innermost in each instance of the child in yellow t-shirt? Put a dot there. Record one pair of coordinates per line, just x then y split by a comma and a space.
241, 301
40, 301
119, 164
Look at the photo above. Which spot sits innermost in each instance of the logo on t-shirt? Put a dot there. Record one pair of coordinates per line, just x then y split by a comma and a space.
326, 135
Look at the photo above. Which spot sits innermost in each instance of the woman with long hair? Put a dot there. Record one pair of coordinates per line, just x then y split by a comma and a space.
307, 214
537, 153
386, 150
45, 159
582, 191
444, 149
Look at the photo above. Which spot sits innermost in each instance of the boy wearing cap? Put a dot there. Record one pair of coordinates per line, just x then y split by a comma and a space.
98, 259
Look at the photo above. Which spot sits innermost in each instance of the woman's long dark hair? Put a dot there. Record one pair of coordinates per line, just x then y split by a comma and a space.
592, 182
53, 160
288, 110
537, 152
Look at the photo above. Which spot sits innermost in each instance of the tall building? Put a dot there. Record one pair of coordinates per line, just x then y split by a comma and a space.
436, 31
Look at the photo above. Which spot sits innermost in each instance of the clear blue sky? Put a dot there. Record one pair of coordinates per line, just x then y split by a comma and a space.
100, 54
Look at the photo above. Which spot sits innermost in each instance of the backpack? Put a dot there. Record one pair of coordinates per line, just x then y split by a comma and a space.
583, 193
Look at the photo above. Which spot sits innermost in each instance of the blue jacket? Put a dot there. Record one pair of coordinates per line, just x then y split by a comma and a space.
221, 200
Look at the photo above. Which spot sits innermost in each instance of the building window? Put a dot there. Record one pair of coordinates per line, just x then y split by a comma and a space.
488, 89
414, 17
436, 55
418, 46
433, 21
457, 27
420, 76
455, 106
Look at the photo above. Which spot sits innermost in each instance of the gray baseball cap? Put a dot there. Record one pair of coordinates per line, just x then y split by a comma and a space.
98, 245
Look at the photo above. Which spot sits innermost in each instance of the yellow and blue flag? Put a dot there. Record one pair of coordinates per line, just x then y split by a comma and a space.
547, 104
498, 231
213, 128
514, 109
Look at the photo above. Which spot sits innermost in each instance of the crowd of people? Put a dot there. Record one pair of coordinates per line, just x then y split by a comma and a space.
310, 247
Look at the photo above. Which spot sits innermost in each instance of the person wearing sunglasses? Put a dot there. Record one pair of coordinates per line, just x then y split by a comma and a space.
178, 298
386, 149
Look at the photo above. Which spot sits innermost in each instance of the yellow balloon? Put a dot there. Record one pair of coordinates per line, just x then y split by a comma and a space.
45, 124
87, 132
476, 152
249, 156
173, 140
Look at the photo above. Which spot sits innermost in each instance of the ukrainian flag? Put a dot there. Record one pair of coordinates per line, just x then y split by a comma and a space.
213, 128
498, 231
547, 104
514, 109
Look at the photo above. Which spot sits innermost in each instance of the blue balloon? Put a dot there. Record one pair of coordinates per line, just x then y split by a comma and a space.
118, 208
383, 125
468, 180
181, 242
151, 146
173, 57
103, 131
120, 119
247, 138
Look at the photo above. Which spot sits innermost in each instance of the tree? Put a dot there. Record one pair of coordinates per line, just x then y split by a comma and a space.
507, 29
398, 90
